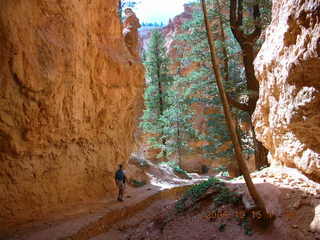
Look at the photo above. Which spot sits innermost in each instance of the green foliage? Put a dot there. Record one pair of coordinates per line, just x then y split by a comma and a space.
223, 171
178, 125
167, 116
137, 183
180, 206
225, 196
222, 227
196, 191
264, 20
199, 85
123, 4
170, 96
156, 97
244, 222
176, 168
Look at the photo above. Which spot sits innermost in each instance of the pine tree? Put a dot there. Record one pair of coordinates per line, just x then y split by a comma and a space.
199, 84
195, 53
178, 124
156, 97
260, 204
167, 116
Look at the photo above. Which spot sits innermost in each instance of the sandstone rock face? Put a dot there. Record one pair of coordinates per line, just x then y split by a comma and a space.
68, 104
130, 32
169, 32
287, 117
174, 26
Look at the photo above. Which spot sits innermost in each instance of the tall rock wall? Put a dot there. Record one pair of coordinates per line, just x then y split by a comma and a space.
68, 104
287, 117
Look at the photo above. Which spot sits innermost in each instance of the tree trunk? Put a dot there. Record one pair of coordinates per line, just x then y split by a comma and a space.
247, 43
179, 144
161, 105
224, 44
231, 125
261, 153
233, 168
252, 84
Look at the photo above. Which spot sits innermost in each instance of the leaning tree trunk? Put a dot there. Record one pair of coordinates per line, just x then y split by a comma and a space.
224, 44
231, 124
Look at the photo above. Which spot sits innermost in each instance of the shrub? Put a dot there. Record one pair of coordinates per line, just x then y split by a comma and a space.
196, 191
176, 168
137, 183
225, 196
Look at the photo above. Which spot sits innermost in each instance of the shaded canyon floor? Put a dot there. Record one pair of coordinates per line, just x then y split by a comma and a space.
149, 212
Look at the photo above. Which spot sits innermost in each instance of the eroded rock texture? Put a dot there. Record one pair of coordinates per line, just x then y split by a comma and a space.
68, 103
287, 117
131, 25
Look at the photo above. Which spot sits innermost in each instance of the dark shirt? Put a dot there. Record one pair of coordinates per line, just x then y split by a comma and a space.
120, 176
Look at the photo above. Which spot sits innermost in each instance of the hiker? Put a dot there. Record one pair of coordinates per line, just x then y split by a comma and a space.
121, 180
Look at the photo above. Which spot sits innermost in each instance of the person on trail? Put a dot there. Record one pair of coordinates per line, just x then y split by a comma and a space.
121, 180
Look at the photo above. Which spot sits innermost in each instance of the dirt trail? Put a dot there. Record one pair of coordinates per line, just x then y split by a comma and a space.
83, 222
289, 195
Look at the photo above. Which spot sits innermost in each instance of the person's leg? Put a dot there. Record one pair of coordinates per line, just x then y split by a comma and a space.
121, 189
119, 194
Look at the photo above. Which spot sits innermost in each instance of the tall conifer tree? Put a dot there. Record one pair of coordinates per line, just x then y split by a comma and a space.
167, 117
158, 80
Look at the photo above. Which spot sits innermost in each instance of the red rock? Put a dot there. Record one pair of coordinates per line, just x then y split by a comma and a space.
287, 116
68, 105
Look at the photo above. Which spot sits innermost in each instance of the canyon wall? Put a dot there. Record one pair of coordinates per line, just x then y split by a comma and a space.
68, 104
287, 117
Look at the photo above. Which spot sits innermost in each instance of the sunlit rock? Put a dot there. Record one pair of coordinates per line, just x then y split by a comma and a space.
130, 32
68, 103
287, 117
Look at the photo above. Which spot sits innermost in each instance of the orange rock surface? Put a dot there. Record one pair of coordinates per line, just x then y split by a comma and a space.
287, 117
130, 32
68, 104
